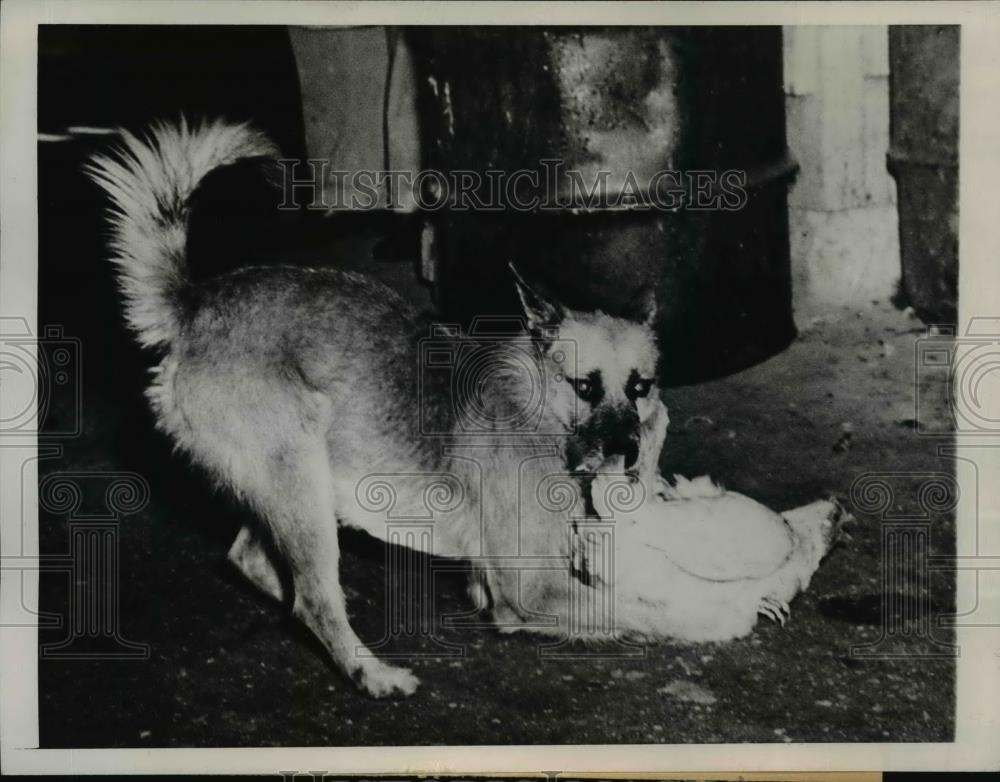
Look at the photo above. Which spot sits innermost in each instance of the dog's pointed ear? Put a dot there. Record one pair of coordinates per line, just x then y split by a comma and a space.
540, 312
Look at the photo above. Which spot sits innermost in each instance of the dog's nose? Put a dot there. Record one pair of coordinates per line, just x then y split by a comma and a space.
622, 444
631, 455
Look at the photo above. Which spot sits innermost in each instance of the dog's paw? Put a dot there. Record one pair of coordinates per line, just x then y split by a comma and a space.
479, 594
380, 680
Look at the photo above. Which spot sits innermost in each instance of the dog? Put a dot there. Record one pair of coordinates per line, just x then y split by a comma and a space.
306, 393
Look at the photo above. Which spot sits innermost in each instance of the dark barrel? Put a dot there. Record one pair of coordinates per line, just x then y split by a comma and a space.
630, 102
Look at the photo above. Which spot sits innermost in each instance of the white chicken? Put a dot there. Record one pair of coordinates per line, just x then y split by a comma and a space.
698, 563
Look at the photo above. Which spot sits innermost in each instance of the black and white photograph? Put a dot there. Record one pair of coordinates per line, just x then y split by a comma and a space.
389, 381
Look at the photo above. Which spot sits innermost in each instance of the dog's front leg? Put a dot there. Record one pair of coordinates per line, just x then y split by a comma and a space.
654, 420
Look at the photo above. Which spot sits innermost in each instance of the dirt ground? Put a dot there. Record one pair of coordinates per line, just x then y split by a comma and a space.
227, 668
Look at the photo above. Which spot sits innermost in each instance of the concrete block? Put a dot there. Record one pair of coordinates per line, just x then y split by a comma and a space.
841, 119
801, 59
879, 187
802, 115
843, 257
875, 50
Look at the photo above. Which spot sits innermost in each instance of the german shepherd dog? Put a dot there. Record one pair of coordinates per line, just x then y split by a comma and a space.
304, 392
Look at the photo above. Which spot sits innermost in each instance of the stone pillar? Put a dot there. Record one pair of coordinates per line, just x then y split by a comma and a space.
842, 207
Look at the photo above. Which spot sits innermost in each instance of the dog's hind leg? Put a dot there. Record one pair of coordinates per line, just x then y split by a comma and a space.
299, 507
250, 556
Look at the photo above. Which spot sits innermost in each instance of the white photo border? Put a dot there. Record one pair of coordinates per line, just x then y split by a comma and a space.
978, 685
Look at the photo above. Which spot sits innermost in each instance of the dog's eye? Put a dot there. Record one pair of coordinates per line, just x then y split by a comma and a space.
583, 386
586, 388
639, 388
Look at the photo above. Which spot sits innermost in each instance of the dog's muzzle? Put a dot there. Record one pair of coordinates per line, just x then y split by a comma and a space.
624, 444
611, 432
620, 434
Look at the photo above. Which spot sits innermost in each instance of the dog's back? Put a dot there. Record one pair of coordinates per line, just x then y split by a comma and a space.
334, 345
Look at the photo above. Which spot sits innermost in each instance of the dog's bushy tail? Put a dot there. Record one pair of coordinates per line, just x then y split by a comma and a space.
150, 181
